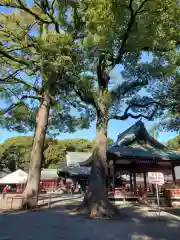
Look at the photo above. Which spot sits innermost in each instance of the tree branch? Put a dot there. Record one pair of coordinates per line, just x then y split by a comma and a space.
85, 99
128, 30
3, 80
124, 88
162, 48
22, 6
126, 114
12, 106
32, 97
16, 80
15, 59
50, 15
19, 49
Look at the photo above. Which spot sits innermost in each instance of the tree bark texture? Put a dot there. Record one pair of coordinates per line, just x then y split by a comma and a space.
96, 201
30, 195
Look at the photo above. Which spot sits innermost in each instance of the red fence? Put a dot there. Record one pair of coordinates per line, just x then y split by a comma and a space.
173, 192
44, 184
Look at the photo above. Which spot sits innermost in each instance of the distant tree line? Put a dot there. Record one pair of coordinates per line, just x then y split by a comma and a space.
15, 152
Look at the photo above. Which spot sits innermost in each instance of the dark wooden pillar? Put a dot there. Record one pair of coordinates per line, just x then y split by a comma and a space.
114, 176
153, 189
107, 179
134, 181
145, 182
173, 175
131, 182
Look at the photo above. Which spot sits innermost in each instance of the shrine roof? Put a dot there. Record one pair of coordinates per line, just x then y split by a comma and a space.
78, 158
136, 142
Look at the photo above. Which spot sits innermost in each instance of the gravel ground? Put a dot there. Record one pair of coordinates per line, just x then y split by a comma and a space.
58, 224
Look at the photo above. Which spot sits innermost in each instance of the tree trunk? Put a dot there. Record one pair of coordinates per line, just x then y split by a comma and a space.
30, 195
96, 201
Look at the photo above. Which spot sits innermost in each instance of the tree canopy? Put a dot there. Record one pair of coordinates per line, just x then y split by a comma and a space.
35, 49
142, 28
83, 38
171, 118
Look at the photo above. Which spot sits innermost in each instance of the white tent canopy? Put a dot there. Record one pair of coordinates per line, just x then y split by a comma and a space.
17, 177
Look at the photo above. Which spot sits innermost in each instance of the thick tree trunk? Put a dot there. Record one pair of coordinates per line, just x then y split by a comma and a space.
96, 201
30, 195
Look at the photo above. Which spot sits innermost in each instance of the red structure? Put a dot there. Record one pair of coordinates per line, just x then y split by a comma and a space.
49, 181
49, 184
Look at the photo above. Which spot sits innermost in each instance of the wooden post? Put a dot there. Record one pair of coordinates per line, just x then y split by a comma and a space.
134, 182
173, 175
108, 179
145, 182
131, 182
49, 203
12, 202
114, 176
153, 189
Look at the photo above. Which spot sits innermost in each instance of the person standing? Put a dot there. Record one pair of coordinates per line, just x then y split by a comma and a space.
80, 189
5, 191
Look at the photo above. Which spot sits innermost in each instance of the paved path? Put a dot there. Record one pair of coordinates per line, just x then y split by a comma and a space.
57, 224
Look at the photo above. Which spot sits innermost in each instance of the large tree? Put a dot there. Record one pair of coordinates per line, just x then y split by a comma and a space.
38, 56
121, 32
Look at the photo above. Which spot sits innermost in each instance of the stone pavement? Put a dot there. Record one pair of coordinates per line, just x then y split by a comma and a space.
58, 224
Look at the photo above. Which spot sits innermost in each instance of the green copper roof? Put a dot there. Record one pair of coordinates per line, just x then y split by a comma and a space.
137, 142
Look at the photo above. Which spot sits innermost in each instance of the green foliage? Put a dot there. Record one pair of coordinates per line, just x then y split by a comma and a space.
109, 141
78, 145
54, 157
38, 55
14, 156
174, 144
171, 119
19, 141
122, 32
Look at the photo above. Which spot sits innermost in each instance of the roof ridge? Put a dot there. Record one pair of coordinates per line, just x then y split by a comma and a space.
136, 127
132, 133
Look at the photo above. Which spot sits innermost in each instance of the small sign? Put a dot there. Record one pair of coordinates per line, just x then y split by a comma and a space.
156, 178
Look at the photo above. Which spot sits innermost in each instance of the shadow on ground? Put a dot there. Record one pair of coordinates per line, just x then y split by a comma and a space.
63, 223
55, 200
174, 211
